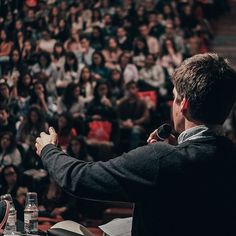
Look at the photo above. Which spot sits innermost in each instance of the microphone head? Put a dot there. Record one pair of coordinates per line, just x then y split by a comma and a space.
164, 131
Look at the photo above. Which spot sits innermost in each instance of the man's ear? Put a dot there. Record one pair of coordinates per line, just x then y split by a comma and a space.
184, 106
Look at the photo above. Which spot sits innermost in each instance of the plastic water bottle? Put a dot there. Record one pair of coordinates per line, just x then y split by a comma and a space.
31, 213
10, 227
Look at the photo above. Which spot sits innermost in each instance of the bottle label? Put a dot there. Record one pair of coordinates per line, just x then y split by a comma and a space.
31, 221
11, 221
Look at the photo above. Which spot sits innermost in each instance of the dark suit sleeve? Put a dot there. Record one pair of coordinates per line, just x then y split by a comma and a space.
129, 177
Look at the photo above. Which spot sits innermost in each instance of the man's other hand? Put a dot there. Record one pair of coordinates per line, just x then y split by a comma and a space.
45, 139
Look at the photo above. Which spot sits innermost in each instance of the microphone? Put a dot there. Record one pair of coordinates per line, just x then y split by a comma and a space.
163, 132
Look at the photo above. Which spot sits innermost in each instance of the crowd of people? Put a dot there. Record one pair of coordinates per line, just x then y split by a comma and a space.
99, 71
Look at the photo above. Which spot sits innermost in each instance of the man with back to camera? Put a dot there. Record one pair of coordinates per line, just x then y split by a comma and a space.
183, 190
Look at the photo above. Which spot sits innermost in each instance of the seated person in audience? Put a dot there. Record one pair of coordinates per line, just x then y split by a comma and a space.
133, 116
47, 71
6, 122
140, 51
10, 101
55, 203
31, 127
65, 130
112, 53
128, 69
86, 51
117, 85
9, 153
11, 182
170, 57
86, 84
98, 69
78, 148
71, 101
101, 107
70, 71
41, 98
152, 42
5, 48
152, 76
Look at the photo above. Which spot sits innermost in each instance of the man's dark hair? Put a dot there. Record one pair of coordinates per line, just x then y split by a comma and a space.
208, 83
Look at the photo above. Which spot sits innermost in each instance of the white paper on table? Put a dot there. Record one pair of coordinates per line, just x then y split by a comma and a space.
118, 227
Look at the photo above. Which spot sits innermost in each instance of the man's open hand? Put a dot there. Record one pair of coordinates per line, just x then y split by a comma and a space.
45, 139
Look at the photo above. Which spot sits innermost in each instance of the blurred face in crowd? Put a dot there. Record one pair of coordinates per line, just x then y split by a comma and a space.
140, 11
105, 3
169, 29
177, 21
169, 44
63, 5
34, 117
140, 44
143, 30
58, 49
10, 176
149, 4
62, 23
97, 59
43, 60
124, 59
15, 56
85, 74
107, 19
3, 116
62, 122
132, 90
119, 11
115, 75
30, 14
166, 9
76, 91
75, 146
18, 25
102, 90
27, 46
187, 10
70, 60
84, 43
121, 32
20, 35
160, 17
26, 80
38, 88
5, 141
9, 16
74, 34
112, 43
4, 90
152, 18
96, 33
3, 35
45, 35
73, 10
55, 11
149, 61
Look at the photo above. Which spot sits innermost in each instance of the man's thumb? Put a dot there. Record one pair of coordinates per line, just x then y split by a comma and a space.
53, 134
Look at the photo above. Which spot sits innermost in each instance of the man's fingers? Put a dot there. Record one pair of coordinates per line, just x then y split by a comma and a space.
53, 134
152, 137
42, 134
38, 140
